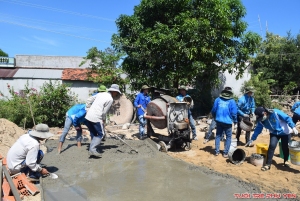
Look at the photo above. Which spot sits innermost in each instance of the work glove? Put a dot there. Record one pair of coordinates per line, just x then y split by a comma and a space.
246, 115
235, 126
295, 131
249, 143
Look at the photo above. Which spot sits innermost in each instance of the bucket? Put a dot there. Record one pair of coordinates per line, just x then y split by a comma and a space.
257, 160
281, 152
262, 148
246, 125
294, 148
232, 145
236, 155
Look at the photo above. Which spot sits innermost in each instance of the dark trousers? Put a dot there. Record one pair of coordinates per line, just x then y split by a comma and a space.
273, 144
239, 130
26, 169
296, 118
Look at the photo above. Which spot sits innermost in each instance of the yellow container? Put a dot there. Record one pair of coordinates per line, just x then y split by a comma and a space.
262, 148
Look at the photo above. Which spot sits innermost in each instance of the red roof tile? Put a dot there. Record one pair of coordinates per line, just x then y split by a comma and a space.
75, 74
7, 72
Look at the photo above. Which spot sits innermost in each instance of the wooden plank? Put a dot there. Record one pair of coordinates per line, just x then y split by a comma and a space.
11, 184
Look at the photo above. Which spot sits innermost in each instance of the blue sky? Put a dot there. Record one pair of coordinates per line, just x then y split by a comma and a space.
70, 28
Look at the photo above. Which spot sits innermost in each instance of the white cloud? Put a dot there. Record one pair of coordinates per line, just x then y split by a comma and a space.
46, 41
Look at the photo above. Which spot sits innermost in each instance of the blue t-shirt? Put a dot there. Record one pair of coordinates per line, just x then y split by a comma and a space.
143, 100
224, 110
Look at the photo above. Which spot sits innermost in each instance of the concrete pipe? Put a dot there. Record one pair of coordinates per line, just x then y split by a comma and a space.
157, 111
121, 111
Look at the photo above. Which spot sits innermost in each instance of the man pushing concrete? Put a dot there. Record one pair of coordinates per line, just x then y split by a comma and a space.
97, 106
25, 154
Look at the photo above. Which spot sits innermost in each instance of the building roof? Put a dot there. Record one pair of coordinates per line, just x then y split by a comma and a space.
39, 74
75, 74
7, 72
56, 62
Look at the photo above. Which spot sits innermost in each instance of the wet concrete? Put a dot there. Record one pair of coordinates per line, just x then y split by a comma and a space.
124, 175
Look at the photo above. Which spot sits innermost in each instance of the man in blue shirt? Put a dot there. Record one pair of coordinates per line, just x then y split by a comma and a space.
246, 107
141, 101
296, 110
224, 112
75, 116
280, 126
181, 97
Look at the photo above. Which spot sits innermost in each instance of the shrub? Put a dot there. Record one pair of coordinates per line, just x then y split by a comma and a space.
49, 106
262, 90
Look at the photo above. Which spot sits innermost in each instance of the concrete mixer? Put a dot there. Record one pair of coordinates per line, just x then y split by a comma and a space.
166, 112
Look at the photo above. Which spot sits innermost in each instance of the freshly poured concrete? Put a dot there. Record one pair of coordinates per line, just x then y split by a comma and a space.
121, 175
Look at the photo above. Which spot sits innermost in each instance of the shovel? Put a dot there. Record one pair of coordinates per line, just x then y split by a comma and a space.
116, 136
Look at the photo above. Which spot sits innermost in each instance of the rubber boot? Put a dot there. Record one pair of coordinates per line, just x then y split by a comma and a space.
94, 143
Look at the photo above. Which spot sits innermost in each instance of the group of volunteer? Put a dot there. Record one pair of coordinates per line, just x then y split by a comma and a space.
226, 113
25, 154
142, 100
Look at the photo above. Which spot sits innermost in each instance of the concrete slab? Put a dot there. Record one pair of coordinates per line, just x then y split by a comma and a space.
123, 175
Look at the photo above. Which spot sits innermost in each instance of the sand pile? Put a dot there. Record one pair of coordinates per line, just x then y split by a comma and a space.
9, 133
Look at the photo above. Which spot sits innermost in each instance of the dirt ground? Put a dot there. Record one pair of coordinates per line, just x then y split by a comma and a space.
278, 179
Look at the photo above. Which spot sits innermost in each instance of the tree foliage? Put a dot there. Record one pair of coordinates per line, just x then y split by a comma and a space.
169, 42
3, 54
279, 59
262, 89
104, 67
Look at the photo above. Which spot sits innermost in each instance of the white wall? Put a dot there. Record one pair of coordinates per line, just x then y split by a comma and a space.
19, 84
230, 81
39, 61
80, 88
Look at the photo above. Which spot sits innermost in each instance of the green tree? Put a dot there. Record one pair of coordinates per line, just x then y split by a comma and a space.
262, 89
3, 54
104, 67
279, 58
169, 42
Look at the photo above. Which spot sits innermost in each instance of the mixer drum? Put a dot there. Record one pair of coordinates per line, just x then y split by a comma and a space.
158, 108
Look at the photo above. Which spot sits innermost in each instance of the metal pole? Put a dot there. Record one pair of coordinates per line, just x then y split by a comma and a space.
12, 186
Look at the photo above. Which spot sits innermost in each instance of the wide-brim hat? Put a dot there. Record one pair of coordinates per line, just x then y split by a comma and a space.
182, 87
41, 131
249, 89
227, 93
115, 87
145, 87
102, 88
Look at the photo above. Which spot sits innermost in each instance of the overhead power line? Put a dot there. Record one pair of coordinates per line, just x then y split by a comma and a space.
56, 10
51, 23
42, 29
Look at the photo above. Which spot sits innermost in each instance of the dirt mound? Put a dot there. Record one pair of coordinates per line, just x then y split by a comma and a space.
9, 133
